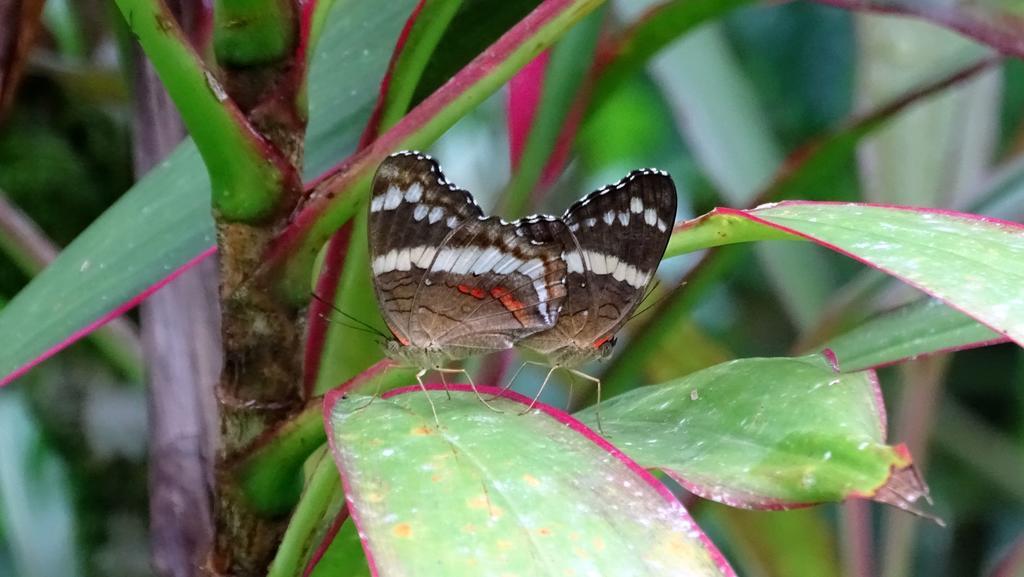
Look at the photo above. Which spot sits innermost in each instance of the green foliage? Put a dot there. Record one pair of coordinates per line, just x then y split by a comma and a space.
722, 108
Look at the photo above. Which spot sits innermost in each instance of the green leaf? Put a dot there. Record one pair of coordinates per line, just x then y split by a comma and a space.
345, 351
337, 195
489, 493
760, 433
973, 263
921, 328
415, 54
145, 237
566, 70
311, 520
164, 221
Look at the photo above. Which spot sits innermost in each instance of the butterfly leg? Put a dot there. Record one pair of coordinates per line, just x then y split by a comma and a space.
572, 387
597, 382
433, 409
376, 391
440, 372
515, 375
477, 391
539, 391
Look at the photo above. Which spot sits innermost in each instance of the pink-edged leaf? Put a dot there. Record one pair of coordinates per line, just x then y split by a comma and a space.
765, 433
163, 224
998, 23
336, 194
335, 352
973, 263
805, 173
488, 493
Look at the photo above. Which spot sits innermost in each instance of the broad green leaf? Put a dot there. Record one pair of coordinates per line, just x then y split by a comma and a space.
972, 263
921, 328
489, 493
762, 433
164, 221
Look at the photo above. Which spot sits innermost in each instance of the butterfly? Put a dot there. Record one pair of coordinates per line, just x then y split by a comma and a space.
619, 235
450, 281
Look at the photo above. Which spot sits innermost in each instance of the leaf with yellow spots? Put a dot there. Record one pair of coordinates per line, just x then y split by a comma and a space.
485, 493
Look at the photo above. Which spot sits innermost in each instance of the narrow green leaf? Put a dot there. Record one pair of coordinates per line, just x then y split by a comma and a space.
130, 249
320, 503
568, 67
345, 76
490, 493
347, 351
164, 221
921, 328
762, 433
407, 71
337, 195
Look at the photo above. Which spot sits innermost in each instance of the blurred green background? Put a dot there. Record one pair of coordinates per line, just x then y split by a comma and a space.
720, 109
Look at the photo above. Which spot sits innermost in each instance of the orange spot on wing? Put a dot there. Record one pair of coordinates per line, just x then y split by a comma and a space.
511, 303
601, 341
475, 292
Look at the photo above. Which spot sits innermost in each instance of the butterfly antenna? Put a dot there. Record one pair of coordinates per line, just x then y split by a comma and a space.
346, 325
367, 327
650, 306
